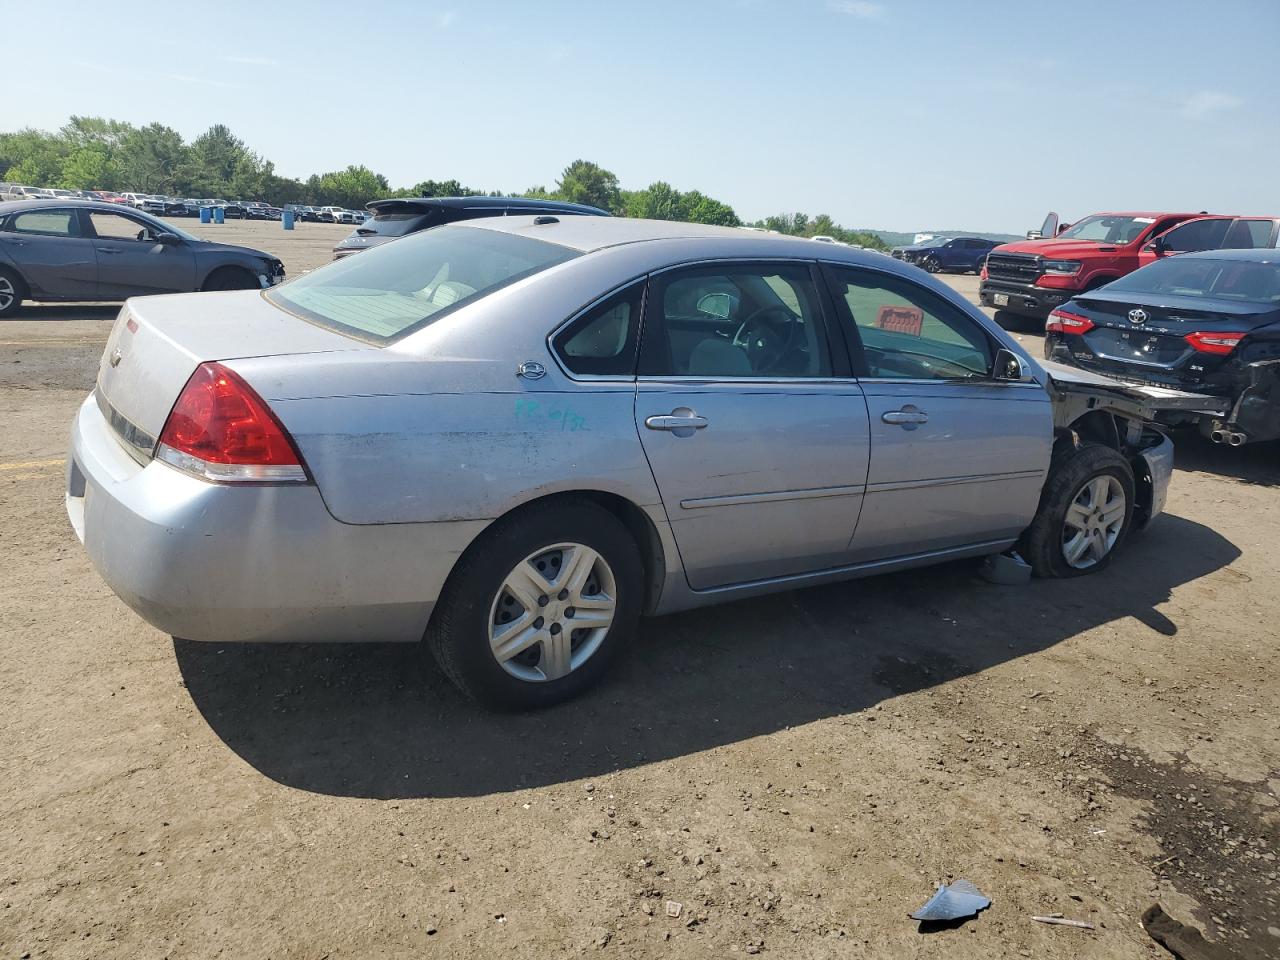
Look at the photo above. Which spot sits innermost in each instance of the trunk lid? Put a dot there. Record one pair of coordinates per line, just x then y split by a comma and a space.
1145, 335
157, 343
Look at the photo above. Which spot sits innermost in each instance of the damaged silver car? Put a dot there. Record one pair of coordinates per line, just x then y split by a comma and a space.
512, 437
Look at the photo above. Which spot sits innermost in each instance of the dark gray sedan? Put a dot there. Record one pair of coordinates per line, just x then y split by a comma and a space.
54, 250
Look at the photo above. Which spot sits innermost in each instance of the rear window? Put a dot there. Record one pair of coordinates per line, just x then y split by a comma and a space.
1185, 276
393, 224
394, 289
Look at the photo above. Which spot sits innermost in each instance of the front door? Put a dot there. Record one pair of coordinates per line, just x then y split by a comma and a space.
50, 252
754, 430
132, 263
957, 457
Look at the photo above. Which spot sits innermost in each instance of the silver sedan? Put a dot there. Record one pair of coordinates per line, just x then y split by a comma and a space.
513, 437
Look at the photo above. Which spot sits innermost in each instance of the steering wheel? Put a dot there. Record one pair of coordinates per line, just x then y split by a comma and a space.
766, 341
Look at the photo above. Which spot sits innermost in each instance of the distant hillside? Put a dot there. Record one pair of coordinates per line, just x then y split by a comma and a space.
895, 239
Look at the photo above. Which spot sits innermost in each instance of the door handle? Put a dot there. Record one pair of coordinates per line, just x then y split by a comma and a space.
681, 421
108, 252
909, 417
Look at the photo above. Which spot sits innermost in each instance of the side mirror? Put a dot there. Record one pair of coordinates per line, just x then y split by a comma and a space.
1159, 246
1007, 366
168, 239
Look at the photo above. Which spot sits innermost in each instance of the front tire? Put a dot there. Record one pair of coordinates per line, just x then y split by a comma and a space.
231, 278
538, 606
12, 292
932, 265
1086, 510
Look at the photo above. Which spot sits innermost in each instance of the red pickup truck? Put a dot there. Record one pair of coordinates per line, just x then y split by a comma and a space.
1032, 277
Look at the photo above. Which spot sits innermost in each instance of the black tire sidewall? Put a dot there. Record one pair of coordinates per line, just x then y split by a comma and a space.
19, 292
1072, 469
222, 280
458, 635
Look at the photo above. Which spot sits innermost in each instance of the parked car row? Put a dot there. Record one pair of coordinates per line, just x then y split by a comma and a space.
947, 254
163, 206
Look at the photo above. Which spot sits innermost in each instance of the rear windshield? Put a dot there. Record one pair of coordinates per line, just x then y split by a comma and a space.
1238, 280
393, 289
393, 224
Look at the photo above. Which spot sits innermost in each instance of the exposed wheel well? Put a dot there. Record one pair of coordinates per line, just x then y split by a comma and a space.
1095, 282
220, 275
1096, 426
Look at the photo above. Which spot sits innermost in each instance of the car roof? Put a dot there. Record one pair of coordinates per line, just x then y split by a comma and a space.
426, 204
587, 234
1255, 255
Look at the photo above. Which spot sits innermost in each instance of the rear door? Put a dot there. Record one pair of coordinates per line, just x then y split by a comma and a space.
1199, 234
50, 251
957, 457
754, 429
131, 262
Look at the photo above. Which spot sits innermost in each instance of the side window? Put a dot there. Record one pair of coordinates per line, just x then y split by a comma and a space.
909, 333
1248, 235
112, 226
48, 223
602, 342
1197, 235
759, 320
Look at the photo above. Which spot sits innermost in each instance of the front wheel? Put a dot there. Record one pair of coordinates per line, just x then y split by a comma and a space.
1086, 510
538, 606
932, 265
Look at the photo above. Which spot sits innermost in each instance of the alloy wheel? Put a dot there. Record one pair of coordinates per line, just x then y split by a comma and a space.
1094, 521
7, 293
552, 612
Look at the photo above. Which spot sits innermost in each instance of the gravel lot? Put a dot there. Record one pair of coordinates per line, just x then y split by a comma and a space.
797, 772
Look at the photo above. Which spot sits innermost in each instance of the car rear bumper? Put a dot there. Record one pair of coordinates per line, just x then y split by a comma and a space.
224, 563
1023, 298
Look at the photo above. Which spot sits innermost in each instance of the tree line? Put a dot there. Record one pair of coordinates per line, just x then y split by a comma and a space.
94, 153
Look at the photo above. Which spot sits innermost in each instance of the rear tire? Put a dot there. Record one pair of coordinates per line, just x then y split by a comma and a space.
12, 292
469, 623
231, 278
1085, 512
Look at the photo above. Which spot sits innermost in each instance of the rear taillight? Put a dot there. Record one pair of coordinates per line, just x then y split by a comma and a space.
1218, 343
220, 430
1063, 321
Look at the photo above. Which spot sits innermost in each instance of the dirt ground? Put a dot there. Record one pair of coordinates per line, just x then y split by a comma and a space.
797, 772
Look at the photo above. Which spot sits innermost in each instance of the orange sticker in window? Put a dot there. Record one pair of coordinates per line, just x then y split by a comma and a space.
901, 319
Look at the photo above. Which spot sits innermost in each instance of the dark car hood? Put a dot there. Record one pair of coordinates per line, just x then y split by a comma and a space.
208, 246
1166, 301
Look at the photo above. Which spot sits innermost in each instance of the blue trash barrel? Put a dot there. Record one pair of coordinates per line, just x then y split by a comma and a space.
219, 215
206, 214
286, 218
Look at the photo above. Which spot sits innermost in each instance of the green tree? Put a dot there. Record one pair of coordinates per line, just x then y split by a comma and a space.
589, 183
699, 208
152, 157
87, 168
353, 187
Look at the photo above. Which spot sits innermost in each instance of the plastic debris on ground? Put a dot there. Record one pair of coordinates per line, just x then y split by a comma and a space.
952, 902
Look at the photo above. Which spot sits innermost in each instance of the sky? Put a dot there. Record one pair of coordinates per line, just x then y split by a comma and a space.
896, 114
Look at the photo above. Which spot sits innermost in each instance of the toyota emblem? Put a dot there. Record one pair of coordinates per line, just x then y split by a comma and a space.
1138, 316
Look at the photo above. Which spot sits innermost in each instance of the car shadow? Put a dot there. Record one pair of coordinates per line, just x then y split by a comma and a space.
372, 721
1255, 463
66, 311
